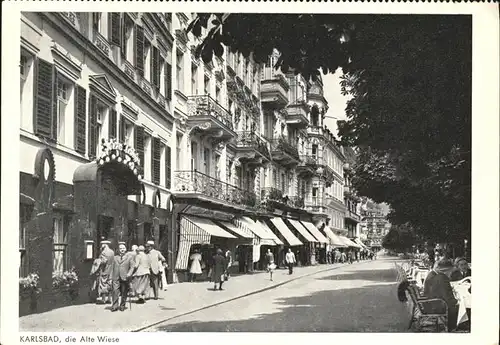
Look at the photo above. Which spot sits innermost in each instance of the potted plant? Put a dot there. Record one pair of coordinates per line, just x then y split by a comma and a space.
67, 280
29, 291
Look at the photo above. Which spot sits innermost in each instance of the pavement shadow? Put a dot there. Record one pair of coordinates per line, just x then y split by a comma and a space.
372, 308
386, 276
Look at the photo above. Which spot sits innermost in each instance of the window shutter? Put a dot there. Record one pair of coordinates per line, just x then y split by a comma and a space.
155, 161
123, 34
115, 24
160, 64
139, 49
139, 143
112, 124
54, 105
168, 166
168, 81
43, 98
80, 119
154, 67
123, 129
93, 127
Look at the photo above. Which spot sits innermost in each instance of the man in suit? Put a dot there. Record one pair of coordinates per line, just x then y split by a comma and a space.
123, 267
437, 285
156, 261
461, 271
105, 282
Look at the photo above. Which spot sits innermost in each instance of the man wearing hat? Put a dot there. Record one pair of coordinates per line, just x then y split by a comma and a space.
437, 285
156, 263
461, 270
106, 269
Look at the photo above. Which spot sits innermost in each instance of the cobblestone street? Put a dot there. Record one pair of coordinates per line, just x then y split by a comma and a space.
358, 297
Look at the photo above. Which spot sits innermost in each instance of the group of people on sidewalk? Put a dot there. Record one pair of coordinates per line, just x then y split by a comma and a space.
218, 271
133, 273
336, 256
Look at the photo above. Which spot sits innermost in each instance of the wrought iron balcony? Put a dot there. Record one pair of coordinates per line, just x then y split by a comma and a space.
284, 152
209, 116
253, 148
274, 88
276, 195
308, 166
199, 184
297, 114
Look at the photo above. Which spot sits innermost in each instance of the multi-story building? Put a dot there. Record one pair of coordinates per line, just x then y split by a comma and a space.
351, 200
127, 136
374, 224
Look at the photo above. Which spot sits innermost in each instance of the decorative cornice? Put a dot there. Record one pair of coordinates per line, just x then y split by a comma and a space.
100, 84
64, 62
129, 110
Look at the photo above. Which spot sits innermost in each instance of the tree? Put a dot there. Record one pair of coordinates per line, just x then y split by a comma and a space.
399, 239
409, 79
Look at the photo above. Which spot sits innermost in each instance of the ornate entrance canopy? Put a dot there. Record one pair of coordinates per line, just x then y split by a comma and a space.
115, 152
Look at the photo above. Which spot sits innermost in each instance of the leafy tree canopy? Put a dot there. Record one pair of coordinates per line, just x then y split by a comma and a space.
400, 239
409, 113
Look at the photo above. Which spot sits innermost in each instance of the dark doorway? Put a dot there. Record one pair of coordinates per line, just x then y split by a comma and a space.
104, 225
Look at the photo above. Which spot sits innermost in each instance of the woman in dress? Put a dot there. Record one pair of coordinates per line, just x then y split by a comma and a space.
271, 266
195, 268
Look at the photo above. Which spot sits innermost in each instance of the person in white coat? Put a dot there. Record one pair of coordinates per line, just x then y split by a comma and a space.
195, 268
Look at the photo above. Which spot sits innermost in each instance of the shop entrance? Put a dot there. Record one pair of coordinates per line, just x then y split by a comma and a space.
104, 226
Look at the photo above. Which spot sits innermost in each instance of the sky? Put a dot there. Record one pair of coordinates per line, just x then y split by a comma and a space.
336, 102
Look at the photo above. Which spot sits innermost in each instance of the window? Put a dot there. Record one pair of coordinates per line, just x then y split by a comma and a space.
63, 94
178, 152
102, 113
194, 79
206, 160
217, 96
96, 22
179, 71
148, 172
24, 67
194, 156
315, 150
147, 60
60, 238
217, 167
24, 218
155, 160
128, 44
206, 81
168, 167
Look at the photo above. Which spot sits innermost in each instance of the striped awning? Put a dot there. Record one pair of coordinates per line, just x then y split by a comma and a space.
267, 237
335, 240
210, 227
349, 243
285, 231
240, 231
266, 228
315, 232
303, 231
358, 241
190, 234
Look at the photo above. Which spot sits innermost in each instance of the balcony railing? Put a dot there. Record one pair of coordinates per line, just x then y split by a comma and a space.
250, 139
192, 181
282, 144
274, 194
310, 160
204, 105
353, 216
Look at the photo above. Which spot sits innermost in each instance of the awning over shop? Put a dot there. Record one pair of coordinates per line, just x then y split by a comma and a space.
285, 231
315, 232
190, 234
210, 227
237, 230
302, 230
267, 237
349, 243
335, 240
266, 228
358, 241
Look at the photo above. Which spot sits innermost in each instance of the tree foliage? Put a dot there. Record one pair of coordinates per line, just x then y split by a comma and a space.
409, 113
400, 239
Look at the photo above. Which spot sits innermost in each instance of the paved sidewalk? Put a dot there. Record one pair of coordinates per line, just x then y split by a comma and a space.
180, 299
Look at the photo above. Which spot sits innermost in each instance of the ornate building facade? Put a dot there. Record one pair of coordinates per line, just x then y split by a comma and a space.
127, 136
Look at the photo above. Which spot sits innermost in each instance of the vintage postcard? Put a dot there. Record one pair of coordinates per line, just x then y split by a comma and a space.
283, 170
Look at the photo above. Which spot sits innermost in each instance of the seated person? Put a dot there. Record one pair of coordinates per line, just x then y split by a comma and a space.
461, 270
437, 285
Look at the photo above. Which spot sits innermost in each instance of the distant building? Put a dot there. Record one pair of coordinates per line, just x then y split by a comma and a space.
374, 223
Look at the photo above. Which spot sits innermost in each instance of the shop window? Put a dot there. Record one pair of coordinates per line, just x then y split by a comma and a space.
60, 244
148, 232
24, 218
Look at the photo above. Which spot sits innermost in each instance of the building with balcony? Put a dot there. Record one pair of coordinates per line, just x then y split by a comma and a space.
374, 224
351, 200
126, 136
96, 137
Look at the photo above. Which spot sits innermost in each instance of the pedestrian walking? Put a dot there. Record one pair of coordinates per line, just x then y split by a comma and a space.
156, 261
290, 260
196, 261
123, 267
141, 274
229, 261
343, 257
219, 269
271, 266
105, 284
